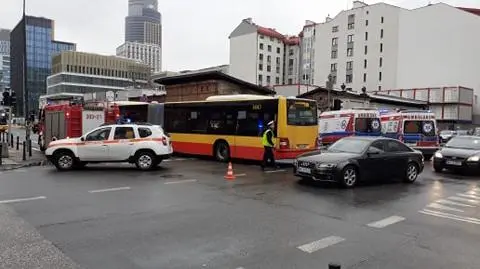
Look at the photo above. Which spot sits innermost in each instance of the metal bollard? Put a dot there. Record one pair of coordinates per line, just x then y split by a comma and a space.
11, 140
18, 142
24, 155
334, 266
29, 148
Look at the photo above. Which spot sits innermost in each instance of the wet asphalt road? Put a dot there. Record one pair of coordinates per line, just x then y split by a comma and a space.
185, 215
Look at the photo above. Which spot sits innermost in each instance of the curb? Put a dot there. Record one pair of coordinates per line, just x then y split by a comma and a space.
23, 165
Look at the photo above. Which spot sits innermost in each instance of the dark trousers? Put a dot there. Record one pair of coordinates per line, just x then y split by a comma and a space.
268, 157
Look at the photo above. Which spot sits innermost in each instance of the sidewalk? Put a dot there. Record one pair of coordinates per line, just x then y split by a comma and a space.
22, 246
15, 159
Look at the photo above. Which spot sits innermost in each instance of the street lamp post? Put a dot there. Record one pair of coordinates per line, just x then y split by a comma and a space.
364, 93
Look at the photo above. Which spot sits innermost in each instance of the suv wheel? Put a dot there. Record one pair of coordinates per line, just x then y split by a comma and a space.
145, 160
64, 160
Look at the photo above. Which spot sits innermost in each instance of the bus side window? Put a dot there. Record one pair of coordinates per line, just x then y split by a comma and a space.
248, 124
221, 122
176, 120
197, 121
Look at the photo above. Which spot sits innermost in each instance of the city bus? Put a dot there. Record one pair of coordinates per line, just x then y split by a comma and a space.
231, 126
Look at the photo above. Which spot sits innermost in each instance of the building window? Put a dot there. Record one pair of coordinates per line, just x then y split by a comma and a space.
260, 67
381, 62
277, 69
334, 54
260, 79
381, 33
334, 41
261, 36
349, 78
382, 20
366, 23
269, 48
366, 36
379, 76
381, 47
260, 57
334, 29
261, 46
269, 68
351, 26
366, 49
290, 52
269, 59
278, 50
290, 81
278, 60
365, 63
268, 80
277, 80
349, 65
333, 67
364, 77
350, 38
379, 88
349, 52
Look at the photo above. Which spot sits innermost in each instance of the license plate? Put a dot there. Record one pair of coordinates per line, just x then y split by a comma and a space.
457, 163
304, 170
302, 146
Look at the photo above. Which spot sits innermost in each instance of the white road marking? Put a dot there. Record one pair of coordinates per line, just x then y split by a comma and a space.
20, 170
181, 181
464, 200
111, 189
469, 196
320, 244
240, 175
275, 171
450, 216
386, 222
448, 202
444, 207
22, 200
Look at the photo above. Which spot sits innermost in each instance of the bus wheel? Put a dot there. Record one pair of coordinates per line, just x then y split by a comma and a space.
221, 151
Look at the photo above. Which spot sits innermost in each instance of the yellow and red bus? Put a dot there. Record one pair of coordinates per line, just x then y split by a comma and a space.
231, 126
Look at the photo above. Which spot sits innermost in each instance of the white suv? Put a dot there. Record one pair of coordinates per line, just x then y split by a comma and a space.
144, 145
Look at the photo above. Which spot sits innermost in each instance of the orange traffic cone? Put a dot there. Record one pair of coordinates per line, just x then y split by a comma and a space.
230, 175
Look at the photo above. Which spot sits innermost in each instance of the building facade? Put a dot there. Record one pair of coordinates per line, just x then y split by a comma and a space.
33, 39
306, 63
4, 59
143, 34
80, 72
260, 55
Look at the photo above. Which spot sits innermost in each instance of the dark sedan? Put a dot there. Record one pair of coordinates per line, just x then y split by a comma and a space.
353, 159
461, 153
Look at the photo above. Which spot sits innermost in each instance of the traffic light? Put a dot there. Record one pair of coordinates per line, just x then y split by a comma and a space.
6, 98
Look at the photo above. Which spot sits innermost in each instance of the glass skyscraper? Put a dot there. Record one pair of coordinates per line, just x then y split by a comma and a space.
143, 23
4, 59
36, 39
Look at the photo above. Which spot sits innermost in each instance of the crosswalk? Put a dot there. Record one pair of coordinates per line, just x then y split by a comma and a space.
462, 207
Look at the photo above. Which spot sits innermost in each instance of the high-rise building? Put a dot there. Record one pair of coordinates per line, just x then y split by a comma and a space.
4, 59
261, 55
80, 72
33, 39
143, 34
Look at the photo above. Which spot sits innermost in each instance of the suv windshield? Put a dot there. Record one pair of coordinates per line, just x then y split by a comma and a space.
300, 112
464, 142
349, 145
426, 128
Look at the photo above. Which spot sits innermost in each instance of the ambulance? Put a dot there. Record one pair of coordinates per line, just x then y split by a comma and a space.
416, 128
334, 125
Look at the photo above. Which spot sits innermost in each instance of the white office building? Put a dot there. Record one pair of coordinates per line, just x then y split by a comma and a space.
262, 55
149, 54
307, 54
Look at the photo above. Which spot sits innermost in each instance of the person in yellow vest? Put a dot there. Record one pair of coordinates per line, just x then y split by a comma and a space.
268, 141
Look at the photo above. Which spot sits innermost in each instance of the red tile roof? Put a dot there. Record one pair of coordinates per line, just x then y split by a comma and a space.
292, 40
269, 32
475, 11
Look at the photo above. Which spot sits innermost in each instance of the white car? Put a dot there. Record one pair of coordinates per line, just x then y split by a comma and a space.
144, 145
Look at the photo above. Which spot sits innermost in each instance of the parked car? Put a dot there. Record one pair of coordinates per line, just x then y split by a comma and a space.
144, 145
352, 159
461, 153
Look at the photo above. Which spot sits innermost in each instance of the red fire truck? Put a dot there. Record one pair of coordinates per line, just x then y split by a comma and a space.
57, 121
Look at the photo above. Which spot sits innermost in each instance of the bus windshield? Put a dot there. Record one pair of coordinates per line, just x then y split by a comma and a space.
300, 112
426, 128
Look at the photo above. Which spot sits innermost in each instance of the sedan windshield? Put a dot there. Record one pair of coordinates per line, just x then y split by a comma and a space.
349, 145
464, 142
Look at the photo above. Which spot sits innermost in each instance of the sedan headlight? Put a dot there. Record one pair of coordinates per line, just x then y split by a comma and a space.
473, 159
438, 154
325, 165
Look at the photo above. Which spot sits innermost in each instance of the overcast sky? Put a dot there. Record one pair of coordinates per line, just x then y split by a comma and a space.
195, 32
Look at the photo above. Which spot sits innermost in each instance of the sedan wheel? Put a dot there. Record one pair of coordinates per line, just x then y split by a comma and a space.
349, 177
412, 173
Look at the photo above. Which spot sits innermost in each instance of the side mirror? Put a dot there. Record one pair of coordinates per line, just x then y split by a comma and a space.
82, 138
372, 151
